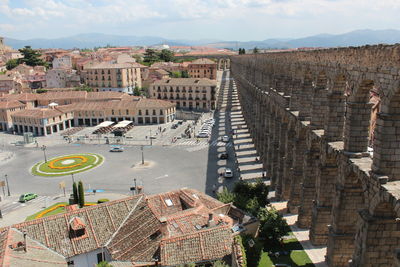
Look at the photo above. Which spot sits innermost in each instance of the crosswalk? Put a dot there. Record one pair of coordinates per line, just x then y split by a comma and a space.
40, 200
193, 145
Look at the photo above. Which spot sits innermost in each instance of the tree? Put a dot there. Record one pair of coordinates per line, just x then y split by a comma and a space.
81, 193
12, 63
272, 225
75, 193
31, 57
166, 55
176, 74
137, 91
184, 74
256, 50
150, 56
83, 88
104, 264
225, 196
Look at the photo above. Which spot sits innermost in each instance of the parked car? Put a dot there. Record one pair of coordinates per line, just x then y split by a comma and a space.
223, 156
26, 197
228, 173
225, 138
116, 149
180, 122
203, 135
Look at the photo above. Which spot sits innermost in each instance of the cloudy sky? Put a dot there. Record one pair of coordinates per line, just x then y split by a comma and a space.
195, 19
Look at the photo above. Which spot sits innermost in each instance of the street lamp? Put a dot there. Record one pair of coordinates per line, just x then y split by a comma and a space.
141, 148
44, 153
72, 176
8, 186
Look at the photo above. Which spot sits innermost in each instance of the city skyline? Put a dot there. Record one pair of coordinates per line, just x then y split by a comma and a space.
241, 20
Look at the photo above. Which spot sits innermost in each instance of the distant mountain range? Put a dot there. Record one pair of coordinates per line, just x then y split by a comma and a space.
90, 40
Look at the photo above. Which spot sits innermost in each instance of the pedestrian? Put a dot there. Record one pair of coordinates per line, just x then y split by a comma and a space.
214, 188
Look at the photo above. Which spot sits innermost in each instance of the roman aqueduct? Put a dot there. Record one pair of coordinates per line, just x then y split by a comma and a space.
310, 114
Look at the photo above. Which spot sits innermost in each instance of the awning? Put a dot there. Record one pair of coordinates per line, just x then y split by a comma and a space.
122, 124
104, 124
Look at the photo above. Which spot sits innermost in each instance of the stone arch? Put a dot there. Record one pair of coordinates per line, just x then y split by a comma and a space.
358, 118
378, 238
386, 160
348, 200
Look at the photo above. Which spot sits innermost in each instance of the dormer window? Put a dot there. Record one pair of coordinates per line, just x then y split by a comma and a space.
77, 228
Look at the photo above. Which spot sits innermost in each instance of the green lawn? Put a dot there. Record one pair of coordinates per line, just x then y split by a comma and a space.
49, 172
296, 257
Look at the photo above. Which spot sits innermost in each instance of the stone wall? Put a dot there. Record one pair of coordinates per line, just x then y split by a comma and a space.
309, 115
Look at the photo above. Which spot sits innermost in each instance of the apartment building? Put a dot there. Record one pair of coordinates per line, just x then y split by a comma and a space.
203, 68
187, 93
61, 78
119, 77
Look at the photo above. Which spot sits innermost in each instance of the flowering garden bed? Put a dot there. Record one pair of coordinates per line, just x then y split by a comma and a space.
68, 164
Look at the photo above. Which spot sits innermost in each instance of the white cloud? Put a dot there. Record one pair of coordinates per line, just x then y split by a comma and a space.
286, 17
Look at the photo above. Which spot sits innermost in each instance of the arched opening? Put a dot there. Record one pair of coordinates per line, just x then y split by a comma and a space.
386, 160
307, 90
358, 118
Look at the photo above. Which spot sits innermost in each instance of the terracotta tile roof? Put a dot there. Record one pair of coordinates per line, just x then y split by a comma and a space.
138, 238
39, 113
3, 243
106, 65
209, 244
203, 61
24, 97
10, 104
186, 82
104, 95
63, 95
101, 222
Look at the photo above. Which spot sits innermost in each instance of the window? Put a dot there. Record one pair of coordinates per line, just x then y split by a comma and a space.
147, 112
100, 257
112, 112
140, 112
127, 112
154, 112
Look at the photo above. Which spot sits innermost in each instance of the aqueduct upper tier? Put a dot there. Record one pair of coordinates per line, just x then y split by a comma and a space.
327, 126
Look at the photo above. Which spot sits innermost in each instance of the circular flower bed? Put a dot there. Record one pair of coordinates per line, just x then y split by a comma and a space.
68, 164
64, 161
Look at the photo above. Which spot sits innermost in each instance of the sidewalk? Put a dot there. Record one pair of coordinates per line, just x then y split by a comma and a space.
315, 253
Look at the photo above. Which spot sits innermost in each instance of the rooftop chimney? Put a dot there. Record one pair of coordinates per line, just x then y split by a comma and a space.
210, 222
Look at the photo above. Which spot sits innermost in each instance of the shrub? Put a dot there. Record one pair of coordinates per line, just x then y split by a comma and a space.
225, 196
102, 200
272, 226
81, 193
75, 193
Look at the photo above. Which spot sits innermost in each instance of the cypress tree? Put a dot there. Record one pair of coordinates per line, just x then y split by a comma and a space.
81, 194
75, 192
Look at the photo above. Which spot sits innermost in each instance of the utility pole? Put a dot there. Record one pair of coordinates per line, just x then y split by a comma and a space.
141, 148
44, 153
72, 176
8, 186
151, 140
134, 180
